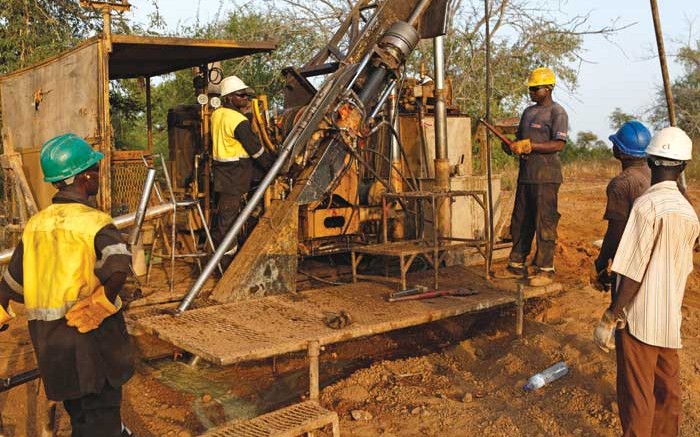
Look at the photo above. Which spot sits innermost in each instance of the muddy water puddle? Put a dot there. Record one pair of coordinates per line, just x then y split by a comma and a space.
250, 389
227, 393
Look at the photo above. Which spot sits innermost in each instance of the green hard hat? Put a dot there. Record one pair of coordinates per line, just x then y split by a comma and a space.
65, 156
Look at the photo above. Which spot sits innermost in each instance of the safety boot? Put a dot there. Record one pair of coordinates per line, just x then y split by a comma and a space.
542, 278
516, 270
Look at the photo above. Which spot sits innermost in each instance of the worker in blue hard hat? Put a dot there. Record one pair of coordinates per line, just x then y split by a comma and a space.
68, 269
653, 261
629, 145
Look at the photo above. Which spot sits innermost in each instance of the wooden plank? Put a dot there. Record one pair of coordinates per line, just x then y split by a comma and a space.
129, 155
13, 163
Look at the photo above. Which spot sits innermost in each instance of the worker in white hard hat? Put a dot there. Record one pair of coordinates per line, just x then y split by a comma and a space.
236, 152
643, 324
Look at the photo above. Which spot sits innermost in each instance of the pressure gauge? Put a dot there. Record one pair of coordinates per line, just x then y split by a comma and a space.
215, 102
202, 99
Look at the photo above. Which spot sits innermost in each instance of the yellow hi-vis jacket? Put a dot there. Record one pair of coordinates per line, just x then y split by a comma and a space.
59, 258
227, 148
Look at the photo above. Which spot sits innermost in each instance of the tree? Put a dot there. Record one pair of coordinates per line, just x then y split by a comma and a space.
617, 118
34, 30
586, 147
524, 36
686, 94
297, 42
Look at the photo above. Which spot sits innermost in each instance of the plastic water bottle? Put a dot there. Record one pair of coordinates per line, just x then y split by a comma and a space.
546, 376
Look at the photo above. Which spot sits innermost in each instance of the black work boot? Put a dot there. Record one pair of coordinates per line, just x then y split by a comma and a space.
516, 270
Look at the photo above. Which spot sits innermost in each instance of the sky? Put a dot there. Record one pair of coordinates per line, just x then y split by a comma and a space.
621, 71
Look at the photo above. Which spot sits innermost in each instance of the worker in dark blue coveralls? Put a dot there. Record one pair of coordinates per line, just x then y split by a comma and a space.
541, 135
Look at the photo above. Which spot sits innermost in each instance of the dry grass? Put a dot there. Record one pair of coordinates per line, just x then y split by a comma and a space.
579, 170
692, 171
586, 170
589, 170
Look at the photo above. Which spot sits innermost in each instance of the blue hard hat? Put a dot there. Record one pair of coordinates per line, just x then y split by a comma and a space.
632, 138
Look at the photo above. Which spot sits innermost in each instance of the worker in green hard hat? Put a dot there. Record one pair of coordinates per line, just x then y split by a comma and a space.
68, 269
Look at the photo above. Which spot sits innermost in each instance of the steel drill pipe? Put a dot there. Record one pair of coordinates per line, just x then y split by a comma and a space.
143, 205
442, 163
121, 222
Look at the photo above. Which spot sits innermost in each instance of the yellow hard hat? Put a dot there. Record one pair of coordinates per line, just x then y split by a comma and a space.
541, 76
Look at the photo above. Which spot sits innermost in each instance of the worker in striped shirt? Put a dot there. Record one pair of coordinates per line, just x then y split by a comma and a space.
653, 261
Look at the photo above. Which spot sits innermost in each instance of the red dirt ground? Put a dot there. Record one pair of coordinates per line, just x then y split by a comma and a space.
460, 377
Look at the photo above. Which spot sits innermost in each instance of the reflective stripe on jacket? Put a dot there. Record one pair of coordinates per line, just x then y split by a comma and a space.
227, 148
59, 258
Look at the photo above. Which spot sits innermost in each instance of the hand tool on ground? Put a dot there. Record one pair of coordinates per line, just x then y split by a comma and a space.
435, 293
418, 289
22, 378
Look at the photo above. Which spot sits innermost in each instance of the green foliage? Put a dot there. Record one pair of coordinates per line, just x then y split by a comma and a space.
686, 94
126, 101
587, 147
34, 30
297, 42
617, 118
522, 38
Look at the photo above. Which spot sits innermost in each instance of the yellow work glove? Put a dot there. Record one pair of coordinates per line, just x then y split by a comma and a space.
604, 333
521, 147
6, 315
88, 313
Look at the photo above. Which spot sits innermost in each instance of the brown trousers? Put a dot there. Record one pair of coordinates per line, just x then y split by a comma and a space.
648, 388
535, 214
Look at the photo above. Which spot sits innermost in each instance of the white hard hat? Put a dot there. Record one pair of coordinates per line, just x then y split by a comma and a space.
232, 84
671, 143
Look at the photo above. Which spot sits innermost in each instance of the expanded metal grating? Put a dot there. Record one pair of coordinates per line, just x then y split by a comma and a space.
128, 178
287, 422
274, 325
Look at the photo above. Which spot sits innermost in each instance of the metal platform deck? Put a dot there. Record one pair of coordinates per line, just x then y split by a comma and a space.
273, 325
291, 421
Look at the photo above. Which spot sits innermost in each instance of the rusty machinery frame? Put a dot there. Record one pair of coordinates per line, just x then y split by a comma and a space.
117, 57
364, 80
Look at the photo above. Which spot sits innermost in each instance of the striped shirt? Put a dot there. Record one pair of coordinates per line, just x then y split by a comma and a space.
656, 250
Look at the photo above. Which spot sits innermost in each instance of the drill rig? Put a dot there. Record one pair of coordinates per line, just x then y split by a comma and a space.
323, 148
338, 145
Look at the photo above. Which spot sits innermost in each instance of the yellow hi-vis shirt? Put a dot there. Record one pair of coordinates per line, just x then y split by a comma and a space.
227, 148
59, 258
